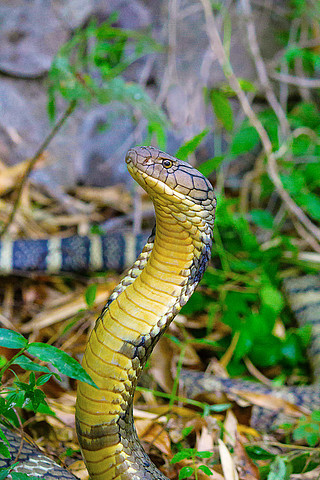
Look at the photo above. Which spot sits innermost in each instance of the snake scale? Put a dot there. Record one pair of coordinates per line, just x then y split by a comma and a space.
137, 313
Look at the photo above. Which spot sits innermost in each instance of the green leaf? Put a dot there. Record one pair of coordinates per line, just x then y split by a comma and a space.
24, 476
292, 350
219, 407
4, 450
222, 109
154, 128
27, 364
279, 470
12, 339
315, 415
259, 453
262, 218
272, 298
191, 145
204, 454
2, 435
205, 469
244, 140
90, 295
185, 472
185, 453
186, 431
207, 167
311, 203
4, 472
43, 379
61, 360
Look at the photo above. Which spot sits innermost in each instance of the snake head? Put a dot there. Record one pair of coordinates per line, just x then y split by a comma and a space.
162, 175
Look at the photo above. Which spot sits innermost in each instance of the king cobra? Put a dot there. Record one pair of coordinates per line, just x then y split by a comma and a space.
137, 313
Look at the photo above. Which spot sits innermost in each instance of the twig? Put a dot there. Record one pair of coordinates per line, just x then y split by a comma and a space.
302, 82
261, 68
33, 161
217, 47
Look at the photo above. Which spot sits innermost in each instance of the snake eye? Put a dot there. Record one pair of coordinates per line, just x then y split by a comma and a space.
167, 163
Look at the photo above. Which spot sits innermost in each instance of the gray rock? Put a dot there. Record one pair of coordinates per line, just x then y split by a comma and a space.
30, 36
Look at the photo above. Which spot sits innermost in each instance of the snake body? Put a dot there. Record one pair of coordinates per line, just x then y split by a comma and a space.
137, 313
71, 254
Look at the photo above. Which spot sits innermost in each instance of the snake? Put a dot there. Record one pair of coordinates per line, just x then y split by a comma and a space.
147, 299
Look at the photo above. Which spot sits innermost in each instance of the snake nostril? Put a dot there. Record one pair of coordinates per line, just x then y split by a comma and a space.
131, 155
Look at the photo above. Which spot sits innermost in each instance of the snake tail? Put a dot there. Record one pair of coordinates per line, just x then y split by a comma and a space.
160, 282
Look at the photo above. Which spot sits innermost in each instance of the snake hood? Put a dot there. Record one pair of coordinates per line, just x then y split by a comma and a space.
137, 313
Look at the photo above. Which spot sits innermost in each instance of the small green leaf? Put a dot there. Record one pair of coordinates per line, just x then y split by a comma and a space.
90, 295
258, 453
262, 218
316, 415
279, 470
4, 450
61, 360
244, 140
186, 431
222, 109
24, 476
4, 472
2, 435
205, 469
185, 472
12, 339
204, 454
190, 146
185, 453
272, 298
43, 379
27, 364
207, 167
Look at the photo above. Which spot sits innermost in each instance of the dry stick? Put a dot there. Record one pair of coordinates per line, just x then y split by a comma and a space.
261, 68
302, 82
33, 161
217, 47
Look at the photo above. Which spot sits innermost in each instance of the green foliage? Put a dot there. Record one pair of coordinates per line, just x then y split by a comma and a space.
193, 455
191, 145
28, 394
89, 68
308, 429
222, 109
90, 295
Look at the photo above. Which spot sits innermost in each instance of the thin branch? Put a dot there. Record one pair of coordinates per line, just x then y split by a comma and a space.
217, 47
34, 160
261, 68
302, 82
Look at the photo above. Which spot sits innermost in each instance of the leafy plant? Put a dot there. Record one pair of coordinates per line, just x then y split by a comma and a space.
28, 394
90, 67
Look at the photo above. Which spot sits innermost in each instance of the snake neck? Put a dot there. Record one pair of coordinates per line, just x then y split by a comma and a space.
123, 339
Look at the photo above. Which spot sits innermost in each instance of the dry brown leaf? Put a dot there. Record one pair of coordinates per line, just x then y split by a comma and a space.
116, 197
205, 440
11, 176
161, 361
154, 434
227, 463
230, 429
271, 402
246, 468
67, 310
78, 468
